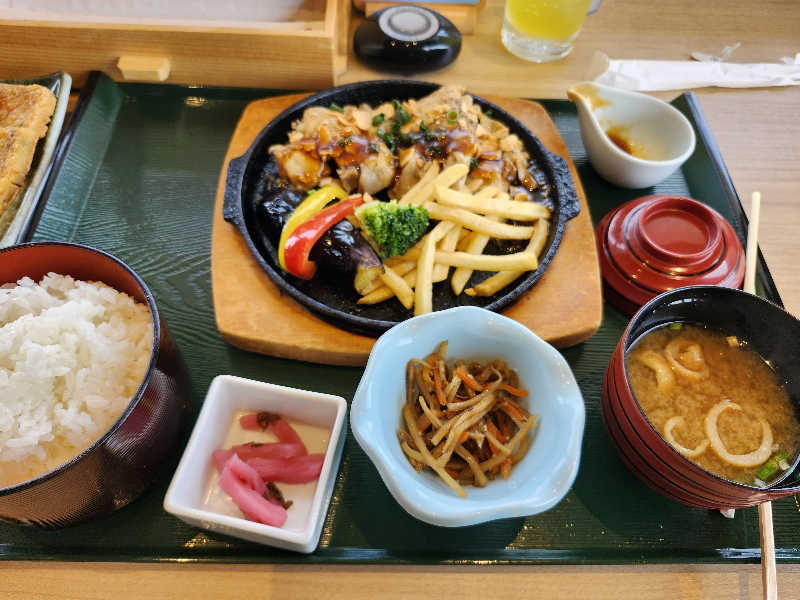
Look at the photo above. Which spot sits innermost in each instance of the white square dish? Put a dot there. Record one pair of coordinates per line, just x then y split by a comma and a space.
194, 495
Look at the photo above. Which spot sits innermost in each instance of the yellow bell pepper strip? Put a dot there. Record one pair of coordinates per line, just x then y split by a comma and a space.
303, 238
309, 207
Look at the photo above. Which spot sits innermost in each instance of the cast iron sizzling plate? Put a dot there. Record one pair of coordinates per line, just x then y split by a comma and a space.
246, 186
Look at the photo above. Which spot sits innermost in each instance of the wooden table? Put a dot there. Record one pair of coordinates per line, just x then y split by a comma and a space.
757, 132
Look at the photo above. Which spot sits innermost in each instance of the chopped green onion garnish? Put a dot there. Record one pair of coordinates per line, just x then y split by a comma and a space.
452, 116
374, 148
335, 107
422, 126
473, 164
386, 137
345, 141
405, 140
675, 326
769, 468
488, 112
378, 119
401, 115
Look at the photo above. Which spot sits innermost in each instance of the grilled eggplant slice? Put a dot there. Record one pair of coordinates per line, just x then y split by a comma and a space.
341, 250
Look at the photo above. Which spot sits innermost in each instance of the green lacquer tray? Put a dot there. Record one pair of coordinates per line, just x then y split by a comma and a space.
136, 175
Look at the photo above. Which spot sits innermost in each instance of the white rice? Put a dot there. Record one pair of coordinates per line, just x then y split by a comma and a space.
72, 354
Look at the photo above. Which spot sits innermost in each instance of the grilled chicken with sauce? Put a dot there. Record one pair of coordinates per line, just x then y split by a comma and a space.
325, 140
389, 146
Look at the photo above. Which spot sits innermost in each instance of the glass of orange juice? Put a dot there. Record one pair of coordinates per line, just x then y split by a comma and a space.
542, 30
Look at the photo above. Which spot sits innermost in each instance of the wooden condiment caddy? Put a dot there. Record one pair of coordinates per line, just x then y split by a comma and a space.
305, 52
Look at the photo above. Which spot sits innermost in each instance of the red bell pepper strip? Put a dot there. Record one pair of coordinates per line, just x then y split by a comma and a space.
313, 203
303, 238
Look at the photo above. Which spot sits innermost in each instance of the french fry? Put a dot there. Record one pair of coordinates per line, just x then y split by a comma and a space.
488, 192
423, 294
518, 261
369, 286
420, 194
421, 191
508, 209
448, 244
411, 255
467, 222
450, 175
476, 246
475, 222
463, 236
366, 279
466, 240
495, 283
401, 267
384, 292
398, 285
536, 245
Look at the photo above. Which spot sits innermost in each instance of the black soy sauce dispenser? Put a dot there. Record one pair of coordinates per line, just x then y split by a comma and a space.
407, 39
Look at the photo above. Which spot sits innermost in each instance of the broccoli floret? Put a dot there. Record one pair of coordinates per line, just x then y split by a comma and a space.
390, 227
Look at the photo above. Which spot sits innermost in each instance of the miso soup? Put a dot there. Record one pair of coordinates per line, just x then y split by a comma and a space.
716, 401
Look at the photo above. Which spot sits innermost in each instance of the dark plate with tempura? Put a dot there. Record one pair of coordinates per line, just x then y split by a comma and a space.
286, 160
32, 113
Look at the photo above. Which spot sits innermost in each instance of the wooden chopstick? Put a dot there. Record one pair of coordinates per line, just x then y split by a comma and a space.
751, 253
769, 576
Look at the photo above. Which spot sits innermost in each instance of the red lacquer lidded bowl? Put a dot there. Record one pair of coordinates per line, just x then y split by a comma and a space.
658, 243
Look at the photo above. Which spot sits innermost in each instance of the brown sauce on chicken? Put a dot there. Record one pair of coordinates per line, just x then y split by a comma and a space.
349, 151
440, 144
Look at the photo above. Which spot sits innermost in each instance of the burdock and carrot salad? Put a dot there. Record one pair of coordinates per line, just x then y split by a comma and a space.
465, 421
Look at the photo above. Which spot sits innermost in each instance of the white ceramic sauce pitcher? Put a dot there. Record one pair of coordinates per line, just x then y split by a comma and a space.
633, 140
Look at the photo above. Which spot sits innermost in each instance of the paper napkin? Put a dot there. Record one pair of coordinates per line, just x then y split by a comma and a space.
660, 75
